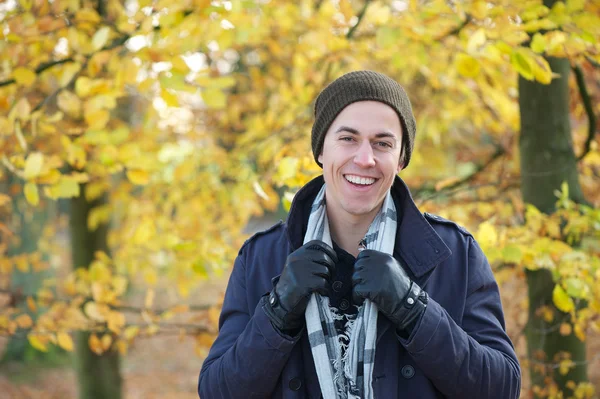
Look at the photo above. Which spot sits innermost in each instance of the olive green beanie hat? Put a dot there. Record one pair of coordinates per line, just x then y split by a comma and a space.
362, 86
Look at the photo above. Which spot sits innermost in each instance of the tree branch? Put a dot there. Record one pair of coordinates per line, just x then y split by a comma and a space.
589, 110
479, 169
361, 15
457, 30
47, 65
592, 61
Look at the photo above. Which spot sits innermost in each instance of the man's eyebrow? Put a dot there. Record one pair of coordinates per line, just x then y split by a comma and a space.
351, 130
347, 129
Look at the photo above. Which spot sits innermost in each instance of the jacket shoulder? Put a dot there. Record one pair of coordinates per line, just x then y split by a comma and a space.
436, 219
267, 235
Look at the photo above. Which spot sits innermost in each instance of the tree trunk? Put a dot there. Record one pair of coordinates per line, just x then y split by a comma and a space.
98, 377
547, 160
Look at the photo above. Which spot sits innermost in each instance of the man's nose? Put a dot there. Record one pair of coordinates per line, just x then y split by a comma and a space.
364, 156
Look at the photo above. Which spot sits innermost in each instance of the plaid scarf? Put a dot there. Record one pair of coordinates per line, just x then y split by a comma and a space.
348, 375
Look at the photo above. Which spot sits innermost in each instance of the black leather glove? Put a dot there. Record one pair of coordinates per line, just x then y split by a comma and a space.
307, 270
380, 278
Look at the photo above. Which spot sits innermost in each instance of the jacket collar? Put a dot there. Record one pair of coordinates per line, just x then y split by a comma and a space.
417, 244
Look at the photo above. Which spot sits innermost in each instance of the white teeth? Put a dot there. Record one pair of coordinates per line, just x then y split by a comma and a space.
365, 181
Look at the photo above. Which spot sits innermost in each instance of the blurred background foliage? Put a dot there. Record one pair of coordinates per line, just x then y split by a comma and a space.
142, 141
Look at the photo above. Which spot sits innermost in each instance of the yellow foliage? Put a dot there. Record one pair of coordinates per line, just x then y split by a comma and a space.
31, 193
24, 321
562, 301
65, 341
137, 176
95, 344
24, 76
38, 341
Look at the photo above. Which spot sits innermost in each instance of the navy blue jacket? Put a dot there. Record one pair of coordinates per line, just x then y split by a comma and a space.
459, 349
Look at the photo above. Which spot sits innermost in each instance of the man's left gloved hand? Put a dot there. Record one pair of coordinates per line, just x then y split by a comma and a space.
380, 278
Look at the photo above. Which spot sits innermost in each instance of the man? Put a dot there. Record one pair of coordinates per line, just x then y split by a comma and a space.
358, 294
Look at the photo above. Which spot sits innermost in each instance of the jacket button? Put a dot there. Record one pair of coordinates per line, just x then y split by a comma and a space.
337, 286
295, 384
344, 304
408, 372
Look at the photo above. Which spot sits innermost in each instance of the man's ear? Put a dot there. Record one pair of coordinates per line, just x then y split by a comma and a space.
400, 167
320, 158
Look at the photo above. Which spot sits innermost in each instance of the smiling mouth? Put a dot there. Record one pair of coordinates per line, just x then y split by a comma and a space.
359, 180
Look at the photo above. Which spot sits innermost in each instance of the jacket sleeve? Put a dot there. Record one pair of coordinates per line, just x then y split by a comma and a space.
477, 359
248, 356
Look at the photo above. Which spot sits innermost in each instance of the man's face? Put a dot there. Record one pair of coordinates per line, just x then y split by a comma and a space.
360, 158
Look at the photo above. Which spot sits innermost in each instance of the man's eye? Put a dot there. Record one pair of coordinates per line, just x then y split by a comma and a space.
346, 138
384, 144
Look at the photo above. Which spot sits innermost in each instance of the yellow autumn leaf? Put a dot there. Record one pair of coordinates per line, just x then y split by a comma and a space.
33, 165
24, 76
538, 43
205, 340
169, 98
65, 188
106, 341
31, 193
31, 304
38, 342
523, 62
138, 176
95, 344
100, 38
541, 70
21, 110
97, 119
467, 65
214, 98
115, 321
565, 365
565, 329
69, 103
94, 311
24, 321
122, 347
22, 264
4, 199
221, 82
131, 332
476, 41
83, 86
68, 71
65, 341
580, 332
561, 300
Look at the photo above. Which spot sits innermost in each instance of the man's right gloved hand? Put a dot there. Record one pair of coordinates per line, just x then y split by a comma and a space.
307, 270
